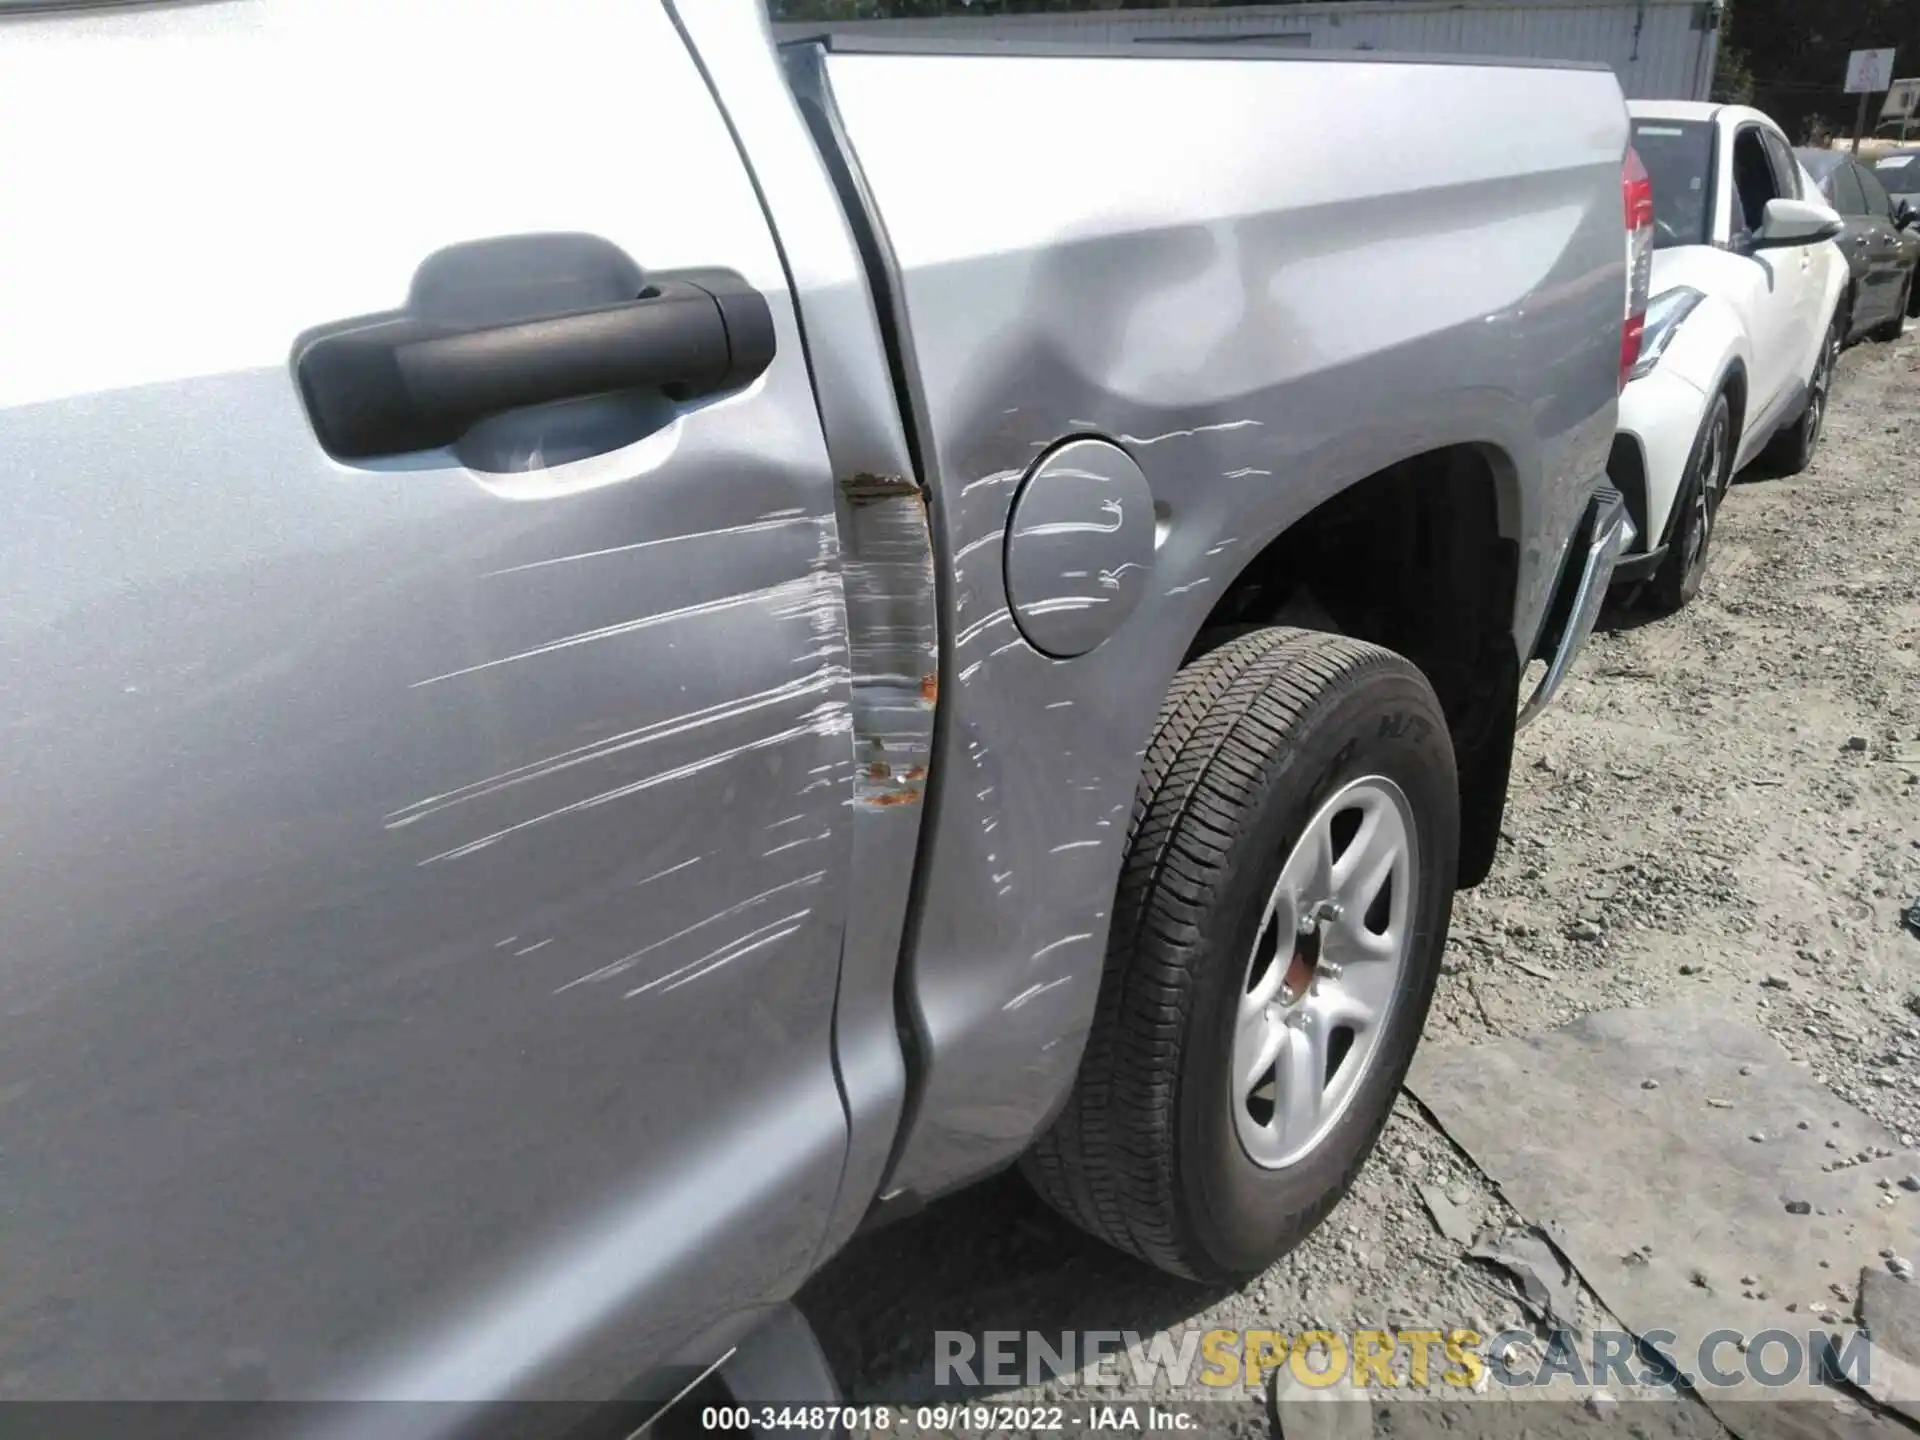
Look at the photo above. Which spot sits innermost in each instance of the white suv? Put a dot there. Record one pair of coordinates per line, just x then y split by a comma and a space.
1740, 336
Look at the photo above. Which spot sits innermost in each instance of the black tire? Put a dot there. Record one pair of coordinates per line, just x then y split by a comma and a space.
1913, 295
1791, 451
1252, 740
1702, 488
1896, 325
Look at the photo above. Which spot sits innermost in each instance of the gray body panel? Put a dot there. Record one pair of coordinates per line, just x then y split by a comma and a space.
1656, 47
459, 914
423, 881
1260, 331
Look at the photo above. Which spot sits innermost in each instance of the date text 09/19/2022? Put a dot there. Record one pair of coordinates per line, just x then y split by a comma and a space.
931, 1419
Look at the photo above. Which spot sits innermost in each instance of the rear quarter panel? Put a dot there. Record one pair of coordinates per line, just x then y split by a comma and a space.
1267, 279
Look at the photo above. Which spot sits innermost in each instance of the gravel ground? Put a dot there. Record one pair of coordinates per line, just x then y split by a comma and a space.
1723, 806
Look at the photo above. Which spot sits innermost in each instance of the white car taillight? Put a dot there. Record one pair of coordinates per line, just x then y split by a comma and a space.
1636, 190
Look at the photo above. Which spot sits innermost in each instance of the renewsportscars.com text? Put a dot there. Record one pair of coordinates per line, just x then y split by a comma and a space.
1457, 1358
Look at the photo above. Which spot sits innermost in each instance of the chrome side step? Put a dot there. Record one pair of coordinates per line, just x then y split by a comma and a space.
1609, 531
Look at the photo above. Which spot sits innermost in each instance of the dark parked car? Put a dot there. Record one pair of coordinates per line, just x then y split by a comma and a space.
1881, 242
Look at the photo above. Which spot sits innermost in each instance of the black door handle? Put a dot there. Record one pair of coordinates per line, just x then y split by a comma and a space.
387, 384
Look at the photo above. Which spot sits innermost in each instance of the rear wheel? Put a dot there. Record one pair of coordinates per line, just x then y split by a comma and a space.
1791, 451
1276, 936
1702, 488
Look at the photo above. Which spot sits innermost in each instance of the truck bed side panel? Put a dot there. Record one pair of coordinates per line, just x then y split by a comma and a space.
1267, 279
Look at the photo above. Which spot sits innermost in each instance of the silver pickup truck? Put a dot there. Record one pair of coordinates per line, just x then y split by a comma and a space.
624, 650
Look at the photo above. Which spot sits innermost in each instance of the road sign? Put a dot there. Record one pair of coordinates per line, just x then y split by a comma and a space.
1903, 100
1869, 71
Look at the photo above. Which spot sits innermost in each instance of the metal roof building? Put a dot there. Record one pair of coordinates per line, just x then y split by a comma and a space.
1660, 49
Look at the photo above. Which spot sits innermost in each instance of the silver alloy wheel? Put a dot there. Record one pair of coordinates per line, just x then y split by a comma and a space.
1719, 444
1707, 494
1324, 971
1822, 383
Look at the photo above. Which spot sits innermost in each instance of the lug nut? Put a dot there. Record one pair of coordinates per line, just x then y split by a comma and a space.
1321, 910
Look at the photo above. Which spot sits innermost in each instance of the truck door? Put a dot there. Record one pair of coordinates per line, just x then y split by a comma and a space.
424, 688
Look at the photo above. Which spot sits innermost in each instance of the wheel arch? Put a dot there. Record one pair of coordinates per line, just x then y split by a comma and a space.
1712, 346
1734, 381
1731, 382
1441, 527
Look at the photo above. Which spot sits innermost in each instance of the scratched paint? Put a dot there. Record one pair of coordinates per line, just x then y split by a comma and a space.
830, 719
1033, 991
978, 543
788, 598
626, 962
670, 870
1003, 477
1064, 602
1063, 941
741, 945
824, 679
1189, 433
980, 627
780, 715
1113, 509
778, 521
796, 844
